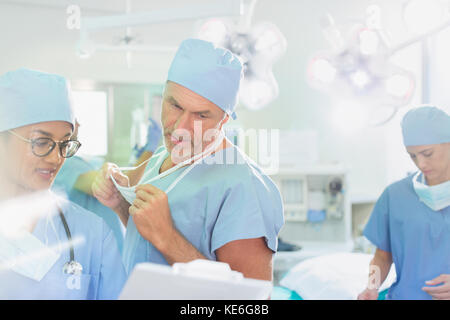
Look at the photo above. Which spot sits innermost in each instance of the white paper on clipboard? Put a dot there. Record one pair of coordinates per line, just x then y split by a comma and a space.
195, 280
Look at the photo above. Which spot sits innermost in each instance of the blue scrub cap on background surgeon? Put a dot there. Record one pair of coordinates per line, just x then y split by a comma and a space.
213, 72
29, 97
425, 125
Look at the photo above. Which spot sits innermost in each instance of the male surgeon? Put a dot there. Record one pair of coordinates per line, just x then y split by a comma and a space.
199, 196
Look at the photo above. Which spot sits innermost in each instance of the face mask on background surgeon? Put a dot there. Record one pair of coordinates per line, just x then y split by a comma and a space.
129, 192
436, 197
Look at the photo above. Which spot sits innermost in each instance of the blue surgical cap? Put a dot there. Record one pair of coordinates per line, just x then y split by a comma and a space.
29, 97
425, 125
212, 72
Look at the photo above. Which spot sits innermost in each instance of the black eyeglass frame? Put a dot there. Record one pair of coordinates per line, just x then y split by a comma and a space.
61, 145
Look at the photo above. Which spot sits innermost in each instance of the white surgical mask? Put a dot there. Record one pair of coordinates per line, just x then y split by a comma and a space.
25, 254
129, 192
436, 197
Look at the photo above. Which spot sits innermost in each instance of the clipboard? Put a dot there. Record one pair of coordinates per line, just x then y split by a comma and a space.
195, 280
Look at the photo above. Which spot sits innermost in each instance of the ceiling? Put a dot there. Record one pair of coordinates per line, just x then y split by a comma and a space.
105, 6
168, 33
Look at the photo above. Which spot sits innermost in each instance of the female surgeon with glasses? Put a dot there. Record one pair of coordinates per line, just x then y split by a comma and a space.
57, 250
410, 223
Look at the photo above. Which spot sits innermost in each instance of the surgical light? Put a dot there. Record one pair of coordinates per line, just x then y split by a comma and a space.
369, 42
269, 41
322, 70
356, 67
258, 47
360, 78
399, 85
258, 93
331, 33
213, 29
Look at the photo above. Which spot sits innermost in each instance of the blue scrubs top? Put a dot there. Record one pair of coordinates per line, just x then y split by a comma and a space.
417, 237
103, 274
67, 176
213, 205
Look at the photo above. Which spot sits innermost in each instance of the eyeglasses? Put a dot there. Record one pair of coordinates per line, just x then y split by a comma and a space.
42, 147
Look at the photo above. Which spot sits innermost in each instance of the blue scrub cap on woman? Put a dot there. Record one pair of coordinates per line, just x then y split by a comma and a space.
213, 72
425, 125
29, 97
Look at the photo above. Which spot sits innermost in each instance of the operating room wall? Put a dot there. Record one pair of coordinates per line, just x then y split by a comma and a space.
38, 38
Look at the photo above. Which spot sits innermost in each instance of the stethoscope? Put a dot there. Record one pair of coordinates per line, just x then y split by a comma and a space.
70, 267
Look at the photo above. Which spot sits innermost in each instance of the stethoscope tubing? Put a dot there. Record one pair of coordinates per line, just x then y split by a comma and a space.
68, 234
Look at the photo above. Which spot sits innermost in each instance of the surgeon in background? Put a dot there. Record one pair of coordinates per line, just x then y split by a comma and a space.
410, 223
78, 173
199, 197
50, 248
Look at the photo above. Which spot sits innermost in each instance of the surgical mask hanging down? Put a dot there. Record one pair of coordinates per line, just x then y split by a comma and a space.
436, 197
129, 192
25, 254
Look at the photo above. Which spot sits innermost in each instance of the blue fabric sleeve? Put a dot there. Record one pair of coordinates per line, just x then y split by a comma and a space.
69, 173
112, 271
377, 229
248, 211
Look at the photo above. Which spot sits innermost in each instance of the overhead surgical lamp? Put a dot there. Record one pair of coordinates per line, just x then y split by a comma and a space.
357, 67
258, 47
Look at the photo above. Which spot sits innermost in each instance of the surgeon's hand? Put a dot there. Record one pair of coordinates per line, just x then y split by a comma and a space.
151, 215
440, 289
368, 294
104, 189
